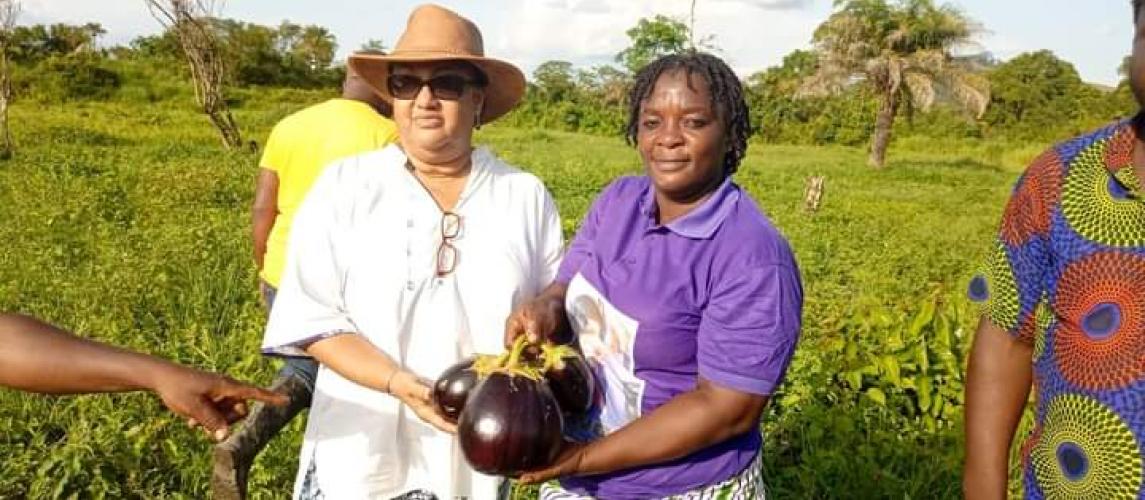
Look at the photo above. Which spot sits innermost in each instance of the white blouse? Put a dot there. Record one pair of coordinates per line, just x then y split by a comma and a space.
362, 259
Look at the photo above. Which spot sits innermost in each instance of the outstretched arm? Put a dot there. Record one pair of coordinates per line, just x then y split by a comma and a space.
38, 357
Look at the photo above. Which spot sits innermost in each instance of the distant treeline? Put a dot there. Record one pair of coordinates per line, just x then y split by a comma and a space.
1034, 96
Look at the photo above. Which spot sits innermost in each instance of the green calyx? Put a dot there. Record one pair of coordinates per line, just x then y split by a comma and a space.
555, 355
514, 363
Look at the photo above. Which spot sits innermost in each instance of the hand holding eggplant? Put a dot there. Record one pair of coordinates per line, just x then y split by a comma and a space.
419, 398
510, 409
541, 319
568, 463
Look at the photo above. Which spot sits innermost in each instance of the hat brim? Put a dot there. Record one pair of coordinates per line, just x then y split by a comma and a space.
505, 89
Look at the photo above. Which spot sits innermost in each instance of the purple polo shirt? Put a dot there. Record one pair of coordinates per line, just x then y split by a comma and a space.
714, 294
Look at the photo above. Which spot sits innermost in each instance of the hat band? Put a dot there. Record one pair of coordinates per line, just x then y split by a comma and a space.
423, 52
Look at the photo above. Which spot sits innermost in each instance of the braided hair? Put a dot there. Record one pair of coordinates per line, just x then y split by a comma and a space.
723, 86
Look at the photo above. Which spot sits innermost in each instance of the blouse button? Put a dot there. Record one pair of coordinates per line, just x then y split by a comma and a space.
409, 286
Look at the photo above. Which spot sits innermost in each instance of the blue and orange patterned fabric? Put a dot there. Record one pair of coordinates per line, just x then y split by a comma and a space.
1068, 275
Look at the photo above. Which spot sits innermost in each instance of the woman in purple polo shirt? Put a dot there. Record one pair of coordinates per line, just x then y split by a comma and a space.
683, 296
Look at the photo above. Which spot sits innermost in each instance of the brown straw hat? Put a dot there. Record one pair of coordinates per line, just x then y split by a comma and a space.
434, 33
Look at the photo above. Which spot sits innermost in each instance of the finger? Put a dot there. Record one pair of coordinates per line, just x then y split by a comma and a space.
240, 408
537, 477
238, 390
532, 325
442, 424
210, 418
427, 414
513, 329
192, 423
233, 412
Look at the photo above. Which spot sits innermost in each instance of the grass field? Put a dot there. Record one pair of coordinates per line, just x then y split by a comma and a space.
128, 223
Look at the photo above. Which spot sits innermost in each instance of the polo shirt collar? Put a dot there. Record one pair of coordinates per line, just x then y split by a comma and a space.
703, 221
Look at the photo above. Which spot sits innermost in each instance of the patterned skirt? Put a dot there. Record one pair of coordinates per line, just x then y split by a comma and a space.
747, 485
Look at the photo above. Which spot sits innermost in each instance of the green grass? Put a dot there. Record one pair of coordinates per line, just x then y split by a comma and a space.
129, 224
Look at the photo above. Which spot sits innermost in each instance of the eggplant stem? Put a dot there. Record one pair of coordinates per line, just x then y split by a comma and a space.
515, 354
547, 354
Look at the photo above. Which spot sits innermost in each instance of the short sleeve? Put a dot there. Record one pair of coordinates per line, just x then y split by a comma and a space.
387, 133
309, 304
1012, 284
750, 327
581, 248
551, 242
275, 153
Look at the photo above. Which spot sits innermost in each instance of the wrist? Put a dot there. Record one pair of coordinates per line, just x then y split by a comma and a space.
583, 465
982, 482
152, 375
389, 386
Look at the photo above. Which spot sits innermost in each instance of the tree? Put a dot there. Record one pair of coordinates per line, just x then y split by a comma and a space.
554, 80
313, 46
30, 44
1038, 96
72, 39
902, 52
189, 20
651, 39
9, 11
253, 53
161, 46
316, 47
374, 44
610, 84
1034, 92
771, 95
706, 42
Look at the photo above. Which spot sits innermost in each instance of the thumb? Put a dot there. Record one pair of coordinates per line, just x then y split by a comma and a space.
514, 328
527, 325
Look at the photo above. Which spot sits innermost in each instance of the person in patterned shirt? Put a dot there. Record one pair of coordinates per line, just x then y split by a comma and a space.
1064, 312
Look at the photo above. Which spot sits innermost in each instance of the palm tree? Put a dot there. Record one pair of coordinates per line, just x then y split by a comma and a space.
902, 52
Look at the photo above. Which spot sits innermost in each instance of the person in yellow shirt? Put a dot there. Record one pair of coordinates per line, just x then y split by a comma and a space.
299, 148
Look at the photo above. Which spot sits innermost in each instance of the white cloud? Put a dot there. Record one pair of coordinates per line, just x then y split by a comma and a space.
778, 4
123, 19
121, 16
751, 34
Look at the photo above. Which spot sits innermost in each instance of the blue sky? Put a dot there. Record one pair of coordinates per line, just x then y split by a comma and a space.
753, 34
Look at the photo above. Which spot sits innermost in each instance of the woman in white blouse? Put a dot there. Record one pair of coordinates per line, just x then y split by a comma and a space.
405, 260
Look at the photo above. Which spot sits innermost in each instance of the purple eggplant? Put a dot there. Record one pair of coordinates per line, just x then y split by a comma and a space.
572, 383
511, 424
453, 387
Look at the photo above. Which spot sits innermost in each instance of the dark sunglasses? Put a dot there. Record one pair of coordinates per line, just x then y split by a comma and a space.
444, 87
